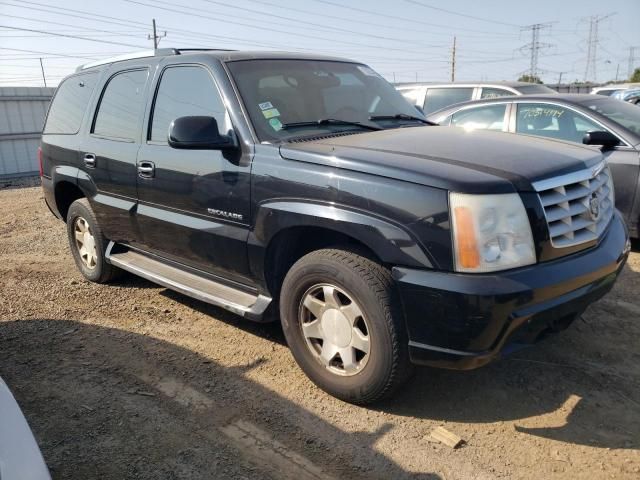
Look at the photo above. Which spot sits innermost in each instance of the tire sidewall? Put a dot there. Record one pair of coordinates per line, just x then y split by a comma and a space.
375, 374
81, 208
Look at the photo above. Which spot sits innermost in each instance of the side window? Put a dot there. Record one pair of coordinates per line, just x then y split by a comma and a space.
438, 98
488, 92
411, 95
120, 111
185, 91
489, 117
69, 104
552, 121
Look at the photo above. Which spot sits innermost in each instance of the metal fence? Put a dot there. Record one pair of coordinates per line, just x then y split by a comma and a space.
572, 88
22, 112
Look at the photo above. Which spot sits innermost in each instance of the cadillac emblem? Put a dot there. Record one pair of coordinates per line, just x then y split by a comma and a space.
594, 207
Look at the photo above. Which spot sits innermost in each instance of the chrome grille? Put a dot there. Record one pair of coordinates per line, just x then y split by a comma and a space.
578, 206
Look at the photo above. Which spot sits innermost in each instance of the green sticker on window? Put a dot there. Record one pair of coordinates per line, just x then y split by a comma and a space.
275, 124
272, 112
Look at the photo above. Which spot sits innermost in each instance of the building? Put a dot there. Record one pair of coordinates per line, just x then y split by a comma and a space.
22, 113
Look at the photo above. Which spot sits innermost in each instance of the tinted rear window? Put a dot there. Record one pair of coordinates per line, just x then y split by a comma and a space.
69, 104
438, 98
535, 88
120, 112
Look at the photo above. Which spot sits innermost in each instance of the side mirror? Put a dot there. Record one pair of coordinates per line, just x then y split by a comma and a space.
198, 133
601, 137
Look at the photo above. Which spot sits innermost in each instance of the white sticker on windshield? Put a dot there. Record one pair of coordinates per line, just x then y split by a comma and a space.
368, 71
265, 106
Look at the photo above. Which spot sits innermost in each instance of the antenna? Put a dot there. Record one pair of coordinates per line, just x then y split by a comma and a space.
156, 38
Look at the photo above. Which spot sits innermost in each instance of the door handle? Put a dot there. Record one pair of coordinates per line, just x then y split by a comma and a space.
90, 160
146, 169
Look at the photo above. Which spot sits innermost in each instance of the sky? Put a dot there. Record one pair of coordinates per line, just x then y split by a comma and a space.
404, 40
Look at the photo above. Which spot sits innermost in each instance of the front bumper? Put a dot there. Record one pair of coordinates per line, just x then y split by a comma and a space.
464, 321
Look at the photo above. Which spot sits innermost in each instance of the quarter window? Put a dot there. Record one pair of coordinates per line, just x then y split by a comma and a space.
185, 91
69, 104
438, 98
489, 117
120, 112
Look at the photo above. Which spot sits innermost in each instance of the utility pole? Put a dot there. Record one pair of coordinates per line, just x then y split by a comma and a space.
632, 61
592, 47
453, 61
156, 38
560, 79
44, 78
535, 46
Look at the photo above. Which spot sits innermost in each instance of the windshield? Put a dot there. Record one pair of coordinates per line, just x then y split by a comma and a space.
534, 88
620, 112
281, 96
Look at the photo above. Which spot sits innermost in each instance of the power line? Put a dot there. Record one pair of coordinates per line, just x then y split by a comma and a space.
411, 20
77, 37
451, 12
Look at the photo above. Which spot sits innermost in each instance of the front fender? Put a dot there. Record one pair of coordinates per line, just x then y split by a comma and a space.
392, 243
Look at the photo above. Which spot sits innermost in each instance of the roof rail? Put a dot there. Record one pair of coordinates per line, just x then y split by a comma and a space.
160, 52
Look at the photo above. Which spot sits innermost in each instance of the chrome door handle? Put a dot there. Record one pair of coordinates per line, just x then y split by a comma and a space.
90, 160
146, 169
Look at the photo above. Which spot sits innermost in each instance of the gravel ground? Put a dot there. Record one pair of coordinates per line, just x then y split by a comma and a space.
130, 380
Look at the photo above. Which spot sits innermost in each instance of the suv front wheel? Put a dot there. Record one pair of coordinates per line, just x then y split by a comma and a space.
88, 244
342, 321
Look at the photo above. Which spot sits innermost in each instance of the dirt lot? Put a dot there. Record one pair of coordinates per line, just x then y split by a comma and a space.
130, 380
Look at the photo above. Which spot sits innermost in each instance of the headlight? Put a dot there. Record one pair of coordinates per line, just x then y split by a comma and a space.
490, 232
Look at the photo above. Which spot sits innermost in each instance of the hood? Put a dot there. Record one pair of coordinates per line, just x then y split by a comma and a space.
451, 158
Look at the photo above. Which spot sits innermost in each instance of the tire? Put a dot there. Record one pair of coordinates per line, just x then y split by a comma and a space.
90, 261
368, 330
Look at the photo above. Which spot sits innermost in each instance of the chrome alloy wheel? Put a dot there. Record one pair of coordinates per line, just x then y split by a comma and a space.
85, 242
335, 329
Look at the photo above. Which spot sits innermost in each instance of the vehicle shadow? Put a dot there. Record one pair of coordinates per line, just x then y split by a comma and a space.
582, 371
111, 404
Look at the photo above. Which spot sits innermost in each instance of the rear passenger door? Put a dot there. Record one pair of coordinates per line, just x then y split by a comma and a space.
109, 153
195, 206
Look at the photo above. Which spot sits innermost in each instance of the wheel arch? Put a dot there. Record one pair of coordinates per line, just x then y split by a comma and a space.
287, 230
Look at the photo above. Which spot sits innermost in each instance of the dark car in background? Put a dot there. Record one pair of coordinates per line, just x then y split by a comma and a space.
567, 117
431, 97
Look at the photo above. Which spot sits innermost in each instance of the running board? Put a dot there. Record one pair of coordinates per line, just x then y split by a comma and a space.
237, 301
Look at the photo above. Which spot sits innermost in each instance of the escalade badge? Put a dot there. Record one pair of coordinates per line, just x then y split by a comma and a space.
222, 213
594, 208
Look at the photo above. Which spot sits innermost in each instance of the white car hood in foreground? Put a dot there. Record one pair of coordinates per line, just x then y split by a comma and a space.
20, 457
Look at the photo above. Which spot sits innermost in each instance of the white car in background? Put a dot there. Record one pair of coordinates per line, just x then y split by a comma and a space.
20, 457
610, 90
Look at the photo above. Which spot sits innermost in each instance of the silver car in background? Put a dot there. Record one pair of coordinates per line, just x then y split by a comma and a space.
20, 457
431, 97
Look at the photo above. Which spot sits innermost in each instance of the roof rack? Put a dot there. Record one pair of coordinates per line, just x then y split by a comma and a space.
160, 52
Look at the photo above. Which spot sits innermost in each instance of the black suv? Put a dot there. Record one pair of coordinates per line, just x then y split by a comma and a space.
306, 188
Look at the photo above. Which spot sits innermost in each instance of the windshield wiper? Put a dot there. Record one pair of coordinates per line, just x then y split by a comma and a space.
329, 121
401, 116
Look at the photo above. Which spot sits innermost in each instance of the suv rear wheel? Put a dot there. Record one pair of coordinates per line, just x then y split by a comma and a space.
88, 244
343, 324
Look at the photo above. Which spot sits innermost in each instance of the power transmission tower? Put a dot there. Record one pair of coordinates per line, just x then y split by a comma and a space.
535, 46
453, 61
156, 38
592, 47
632, 61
